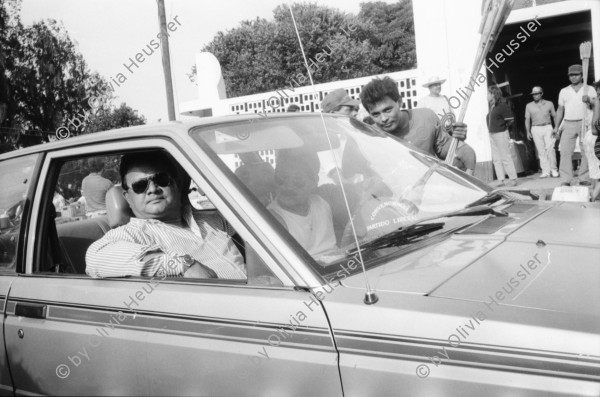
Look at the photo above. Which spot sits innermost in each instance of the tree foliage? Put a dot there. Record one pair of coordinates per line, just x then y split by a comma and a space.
121, 117
262, 55
393, 33
45, 83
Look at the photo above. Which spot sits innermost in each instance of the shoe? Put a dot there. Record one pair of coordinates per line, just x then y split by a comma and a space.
544, 176
510, 183
565, 184
585, 183
555, 174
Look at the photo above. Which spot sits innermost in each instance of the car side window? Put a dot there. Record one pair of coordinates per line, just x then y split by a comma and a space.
113, 242
15, 179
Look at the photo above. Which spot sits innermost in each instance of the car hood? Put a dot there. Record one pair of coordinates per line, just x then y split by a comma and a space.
544, 256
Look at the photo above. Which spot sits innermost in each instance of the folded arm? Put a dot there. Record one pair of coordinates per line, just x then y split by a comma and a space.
118, 254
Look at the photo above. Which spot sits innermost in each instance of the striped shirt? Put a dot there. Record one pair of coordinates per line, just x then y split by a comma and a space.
120, 252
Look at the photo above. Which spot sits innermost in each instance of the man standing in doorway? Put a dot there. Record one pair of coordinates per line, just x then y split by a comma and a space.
571, 108
539, 115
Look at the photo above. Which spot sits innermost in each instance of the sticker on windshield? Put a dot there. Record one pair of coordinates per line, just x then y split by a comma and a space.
224, 138
381, 215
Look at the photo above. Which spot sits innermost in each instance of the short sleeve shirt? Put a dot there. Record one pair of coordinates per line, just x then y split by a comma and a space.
571, 101
539, 114
426, 132
94, 188
439, 105
497, 118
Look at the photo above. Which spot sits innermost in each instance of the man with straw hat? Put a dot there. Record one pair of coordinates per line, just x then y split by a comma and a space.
539, 115
435, 101
569, 117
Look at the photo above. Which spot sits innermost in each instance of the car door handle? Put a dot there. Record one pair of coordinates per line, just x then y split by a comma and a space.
30, 310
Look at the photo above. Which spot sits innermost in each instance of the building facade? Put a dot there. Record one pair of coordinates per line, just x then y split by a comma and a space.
446, 34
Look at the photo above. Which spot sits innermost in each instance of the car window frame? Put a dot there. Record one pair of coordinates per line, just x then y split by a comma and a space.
26, 218
41, 202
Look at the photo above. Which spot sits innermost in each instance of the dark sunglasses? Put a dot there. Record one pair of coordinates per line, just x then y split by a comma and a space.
159, 179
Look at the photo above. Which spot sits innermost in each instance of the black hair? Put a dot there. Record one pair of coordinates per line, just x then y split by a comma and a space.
377, 90
95, 164
155, 157
496, 94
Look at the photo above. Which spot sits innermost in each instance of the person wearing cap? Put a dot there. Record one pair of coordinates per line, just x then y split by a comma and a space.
293, 108
419, 127
435, 101
539, 116
338, 101
569, 117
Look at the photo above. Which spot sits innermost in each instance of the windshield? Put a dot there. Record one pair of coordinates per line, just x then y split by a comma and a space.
314, 191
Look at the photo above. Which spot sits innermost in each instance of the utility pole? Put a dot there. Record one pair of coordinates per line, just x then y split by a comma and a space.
166, 58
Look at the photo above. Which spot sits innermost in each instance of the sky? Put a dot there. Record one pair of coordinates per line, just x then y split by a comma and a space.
110, 32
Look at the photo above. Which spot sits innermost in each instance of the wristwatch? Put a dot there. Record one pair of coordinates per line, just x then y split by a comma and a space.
187, 261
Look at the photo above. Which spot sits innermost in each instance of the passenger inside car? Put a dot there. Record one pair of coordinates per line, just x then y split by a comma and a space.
165, 236
258, 175
306, 215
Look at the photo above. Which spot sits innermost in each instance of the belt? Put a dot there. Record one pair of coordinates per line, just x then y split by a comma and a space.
540, 125
573, 120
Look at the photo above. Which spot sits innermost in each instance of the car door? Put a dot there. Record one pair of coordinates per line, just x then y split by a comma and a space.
16, 175
71, 334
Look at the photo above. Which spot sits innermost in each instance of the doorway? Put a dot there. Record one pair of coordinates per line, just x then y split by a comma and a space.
543, 61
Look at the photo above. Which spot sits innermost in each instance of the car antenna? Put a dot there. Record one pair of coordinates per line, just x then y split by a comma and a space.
370, 295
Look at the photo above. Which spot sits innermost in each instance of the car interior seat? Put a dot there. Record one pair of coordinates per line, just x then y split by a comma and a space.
117, 208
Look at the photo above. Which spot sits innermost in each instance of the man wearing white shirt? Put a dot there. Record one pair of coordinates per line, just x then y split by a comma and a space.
165, 235
435, 101
571, 107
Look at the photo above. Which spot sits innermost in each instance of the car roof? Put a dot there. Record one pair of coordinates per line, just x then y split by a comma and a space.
154, 129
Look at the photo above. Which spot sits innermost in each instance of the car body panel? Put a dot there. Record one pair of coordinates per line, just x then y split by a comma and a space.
384, 346
537, 328
311, 338
6, 385
163, 338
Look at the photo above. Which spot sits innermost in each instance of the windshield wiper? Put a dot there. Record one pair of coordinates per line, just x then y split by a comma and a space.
410, 233
509, 196
491, 197
402, 236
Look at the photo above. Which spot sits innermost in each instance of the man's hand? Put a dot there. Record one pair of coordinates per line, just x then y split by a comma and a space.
529, 136
556, 132
198, 270
585, 99
459, 131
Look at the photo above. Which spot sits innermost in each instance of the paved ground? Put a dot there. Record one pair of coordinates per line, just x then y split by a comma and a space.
542, 187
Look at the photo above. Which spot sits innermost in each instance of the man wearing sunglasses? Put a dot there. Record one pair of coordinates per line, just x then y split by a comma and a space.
419, 127
165, 237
